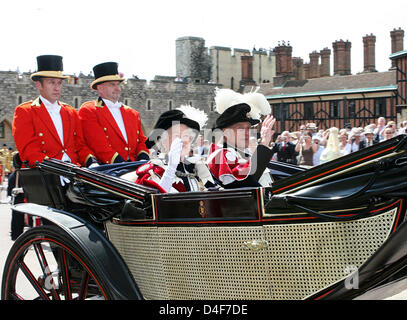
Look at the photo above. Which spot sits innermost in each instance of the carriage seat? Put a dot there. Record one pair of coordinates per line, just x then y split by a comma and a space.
42, 188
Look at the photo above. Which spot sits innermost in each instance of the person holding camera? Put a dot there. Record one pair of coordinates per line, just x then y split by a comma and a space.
306, 147
285, 149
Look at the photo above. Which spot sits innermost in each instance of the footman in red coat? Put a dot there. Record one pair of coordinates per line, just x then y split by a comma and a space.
45, 127
112, 129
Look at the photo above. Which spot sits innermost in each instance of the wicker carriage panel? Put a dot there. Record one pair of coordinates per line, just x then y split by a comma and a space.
306, 258
211, 263
250, 262
140, 248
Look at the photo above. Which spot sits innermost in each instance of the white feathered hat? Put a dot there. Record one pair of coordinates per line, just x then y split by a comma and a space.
226, 98
194, 114
234, 107
185, 114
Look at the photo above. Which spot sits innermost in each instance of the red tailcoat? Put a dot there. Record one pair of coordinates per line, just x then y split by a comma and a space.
103, 134
36, 137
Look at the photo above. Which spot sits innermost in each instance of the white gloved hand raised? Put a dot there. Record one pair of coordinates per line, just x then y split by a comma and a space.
174, 155
174, 158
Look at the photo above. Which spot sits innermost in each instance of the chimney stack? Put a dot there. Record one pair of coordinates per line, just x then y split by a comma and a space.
247, 70
298, 68
283, 59
342, 57
325, 69
348, 45
369, 59
397, 42
306, 70
313, 65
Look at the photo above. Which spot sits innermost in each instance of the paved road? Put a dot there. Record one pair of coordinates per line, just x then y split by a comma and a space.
5, 218
6, 243
5, 240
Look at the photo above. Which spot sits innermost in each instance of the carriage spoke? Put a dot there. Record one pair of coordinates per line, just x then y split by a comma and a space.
46, 265
23, 267
84, 285
65, 274
46, 270
16, 296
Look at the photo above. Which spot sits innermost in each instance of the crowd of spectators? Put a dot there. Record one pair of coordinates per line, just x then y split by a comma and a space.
305, 147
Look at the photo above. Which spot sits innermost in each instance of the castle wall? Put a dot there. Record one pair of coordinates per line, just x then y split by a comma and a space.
227, 65
264, 67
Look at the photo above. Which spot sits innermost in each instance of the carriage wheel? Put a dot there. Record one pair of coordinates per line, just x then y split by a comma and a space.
46, 264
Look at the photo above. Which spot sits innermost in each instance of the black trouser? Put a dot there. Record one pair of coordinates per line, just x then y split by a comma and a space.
17, 218
17, 224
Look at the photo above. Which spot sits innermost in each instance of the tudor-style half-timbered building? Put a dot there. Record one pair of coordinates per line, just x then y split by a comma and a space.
338, 101
399, 60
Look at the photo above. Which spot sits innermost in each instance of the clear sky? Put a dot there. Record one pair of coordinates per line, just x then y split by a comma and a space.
140, 35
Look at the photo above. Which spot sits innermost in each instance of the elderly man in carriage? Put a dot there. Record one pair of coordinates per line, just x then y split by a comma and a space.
172, 170
231, 164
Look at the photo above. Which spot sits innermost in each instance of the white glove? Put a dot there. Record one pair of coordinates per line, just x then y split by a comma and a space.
174, 158
174, 155
64, 180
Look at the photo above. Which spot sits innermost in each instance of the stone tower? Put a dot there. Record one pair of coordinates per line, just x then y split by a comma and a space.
192, 59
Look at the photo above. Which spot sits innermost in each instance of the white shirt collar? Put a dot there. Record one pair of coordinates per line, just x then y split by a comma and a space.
111, 104
50, 106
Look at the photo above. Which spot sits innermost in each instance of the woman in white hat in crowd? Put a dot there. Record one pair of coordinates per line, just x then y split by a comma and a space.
368, 138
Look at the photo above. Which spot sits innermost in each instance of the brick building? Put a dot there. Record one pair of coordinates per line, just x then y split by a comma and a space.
307, 92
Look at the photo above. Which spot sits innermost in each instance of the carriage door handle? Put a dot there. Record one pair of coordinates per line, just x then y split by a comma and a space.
255, 245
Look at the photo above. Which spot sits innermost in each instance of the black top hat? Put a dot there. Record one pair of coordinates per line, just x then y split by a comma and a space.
166, 121
107, 71
49, 66
237, 113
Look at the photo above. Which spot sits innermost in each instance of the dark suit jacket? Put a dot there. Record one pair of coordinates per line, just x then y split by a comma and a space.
288, 155
362, 144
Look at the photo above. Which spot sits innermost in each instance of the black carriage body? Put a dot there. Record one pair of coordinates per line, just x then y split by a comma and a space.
303, 238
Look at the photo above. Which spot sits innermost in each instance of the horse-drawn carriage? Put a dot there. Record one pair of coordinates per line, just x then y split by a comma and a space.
335, 231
